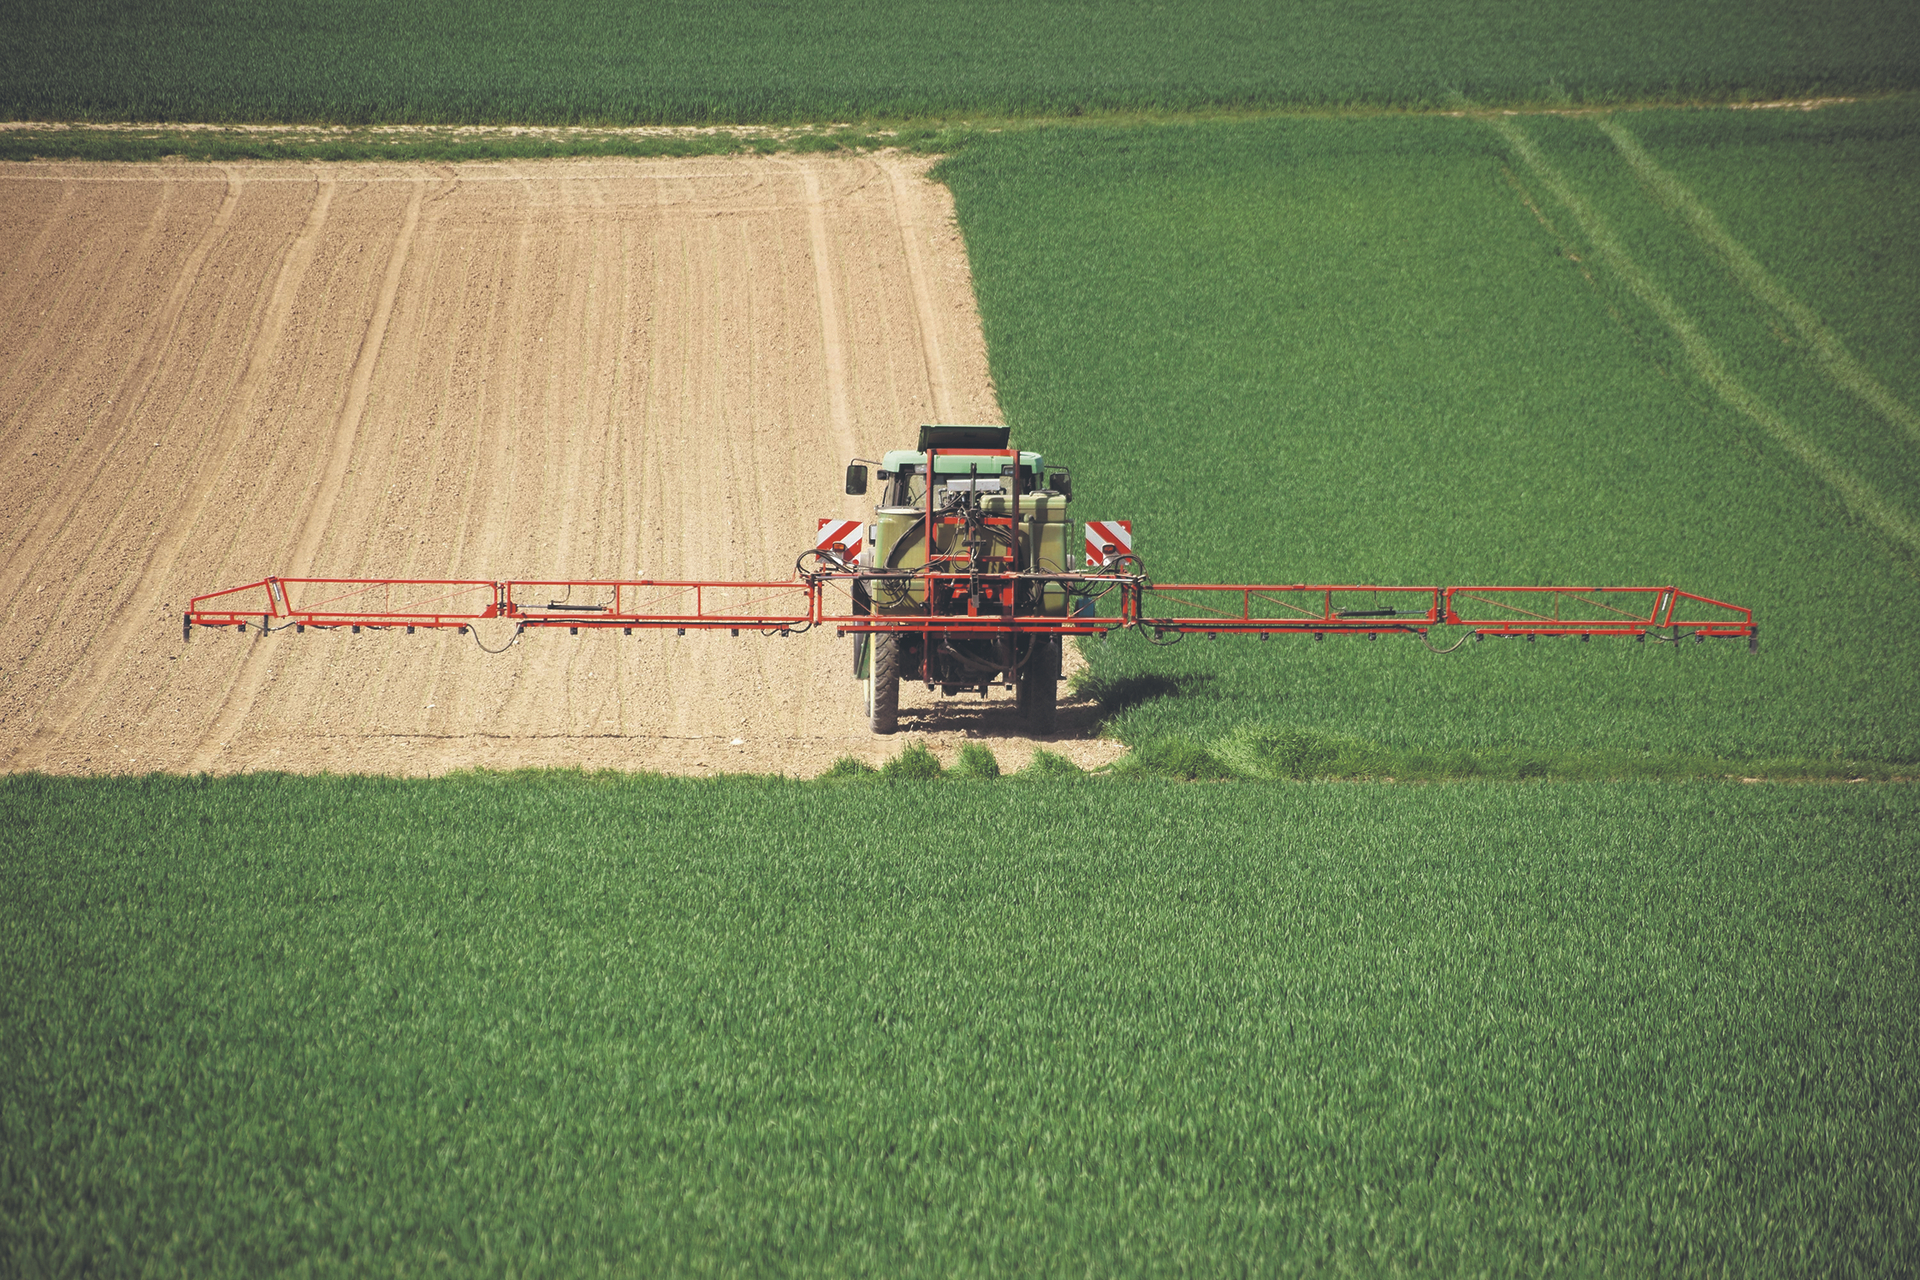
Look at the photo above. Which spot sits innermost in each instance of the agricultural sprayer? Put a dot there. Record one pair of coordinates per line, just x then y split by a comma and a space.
968, 577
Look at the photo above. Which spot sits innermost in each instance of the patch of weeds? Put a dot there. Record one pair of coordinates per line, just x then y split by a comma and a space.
848, 768
1278, 753
1265, 751
1179, 758
1532, 766
942, 140
1048, 764
976, 761
916, 763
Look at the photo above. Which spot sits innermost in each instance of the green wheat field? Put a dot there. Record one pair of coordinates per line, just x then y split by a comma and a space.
683, 61
1641, 348
564, 1025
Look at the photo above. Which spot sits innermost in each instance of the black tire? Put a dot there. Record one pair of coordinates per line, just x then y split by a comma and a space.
883, 703
1039, 692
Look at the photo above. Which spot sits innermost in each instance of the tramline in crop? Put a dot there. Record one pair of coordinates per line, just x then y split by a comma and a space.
966, 579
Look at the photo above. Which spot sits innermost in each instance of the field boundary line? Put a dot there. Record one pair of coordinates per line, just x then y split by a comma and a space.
906, 210
245, 688
1829, 352
1700, 353
832, 341
320, 142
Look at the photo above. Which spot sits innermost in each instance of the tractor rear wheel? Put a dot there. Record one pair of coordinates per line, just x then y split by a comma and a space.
1039, 692
883, 685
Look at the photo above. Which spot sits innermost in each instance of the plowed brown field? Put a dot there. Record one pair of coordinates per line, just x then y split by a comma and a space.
588, 369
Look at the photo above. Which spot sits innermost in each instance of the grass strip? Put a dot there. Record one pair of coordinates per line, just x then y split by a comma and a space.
129, 142
449, 145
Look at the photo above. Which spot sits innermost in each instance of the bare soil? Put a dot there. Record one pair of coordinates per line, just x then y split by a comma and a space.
553, 369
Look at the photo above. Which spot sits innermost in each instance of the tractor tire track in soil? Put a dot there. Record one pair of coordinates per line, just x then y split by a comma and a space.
210, 458
314, 523
563, 369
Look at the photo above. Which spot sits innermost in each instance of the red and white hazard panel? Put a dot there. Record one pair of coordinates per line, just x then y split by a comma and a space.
1107, 539
843, 538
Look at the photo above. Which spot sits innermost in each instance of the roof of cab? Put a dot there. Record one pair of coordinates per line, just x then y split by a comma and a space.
936, 436
954, 464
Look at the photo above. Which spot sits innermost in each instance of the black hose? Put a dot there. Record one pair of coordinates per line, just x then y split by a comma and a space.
834, 564
1450, 648
475, 633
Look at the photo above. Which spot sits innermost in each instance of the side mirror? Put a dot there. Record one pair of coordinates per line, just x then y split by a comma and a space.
1061, 483
856, 479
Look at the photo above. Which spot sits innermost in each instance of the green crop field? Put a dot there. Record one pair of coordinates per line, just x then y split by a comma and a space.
586, 60
561, 1024
1654, 347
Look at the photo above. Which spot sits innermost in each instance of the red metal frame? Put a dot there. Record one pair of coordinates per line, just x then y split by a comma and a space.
763, 606
1543, 611
279, 602
284, 601
1295, 608
809, 601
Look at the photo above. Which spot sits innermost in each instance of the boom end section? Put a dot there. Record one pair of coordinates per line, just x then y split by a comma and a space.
1663, 613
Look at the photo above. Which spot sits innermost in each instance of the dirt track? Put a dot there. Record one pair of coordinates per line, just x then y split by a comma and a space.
550, 369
